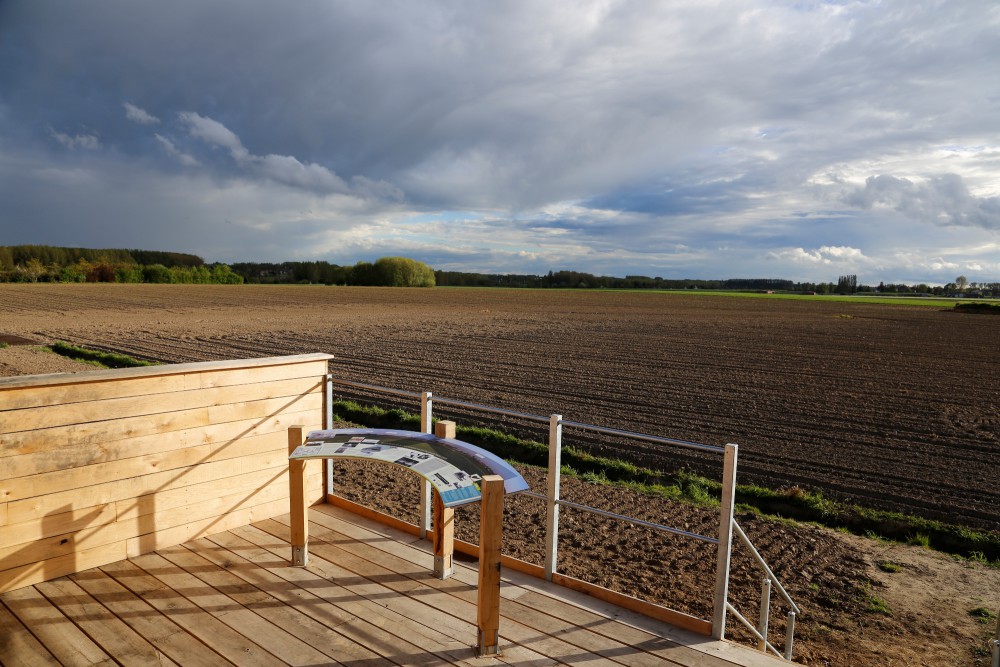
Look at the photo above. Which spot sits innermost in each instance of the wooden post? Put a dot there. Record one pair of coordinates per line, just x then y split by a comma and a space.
444, 520
297, 499
725, 542
490, 538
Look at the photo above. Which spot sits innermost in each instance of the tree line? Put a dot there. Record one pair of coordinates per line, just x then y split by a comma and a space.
384, 272
39, 263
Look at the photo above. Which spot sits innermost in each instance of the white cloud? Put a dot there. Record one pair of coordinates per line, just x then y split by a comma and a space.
138, 115
86, 141
942, 199
824, 255
283, 169
214, 132
184, 158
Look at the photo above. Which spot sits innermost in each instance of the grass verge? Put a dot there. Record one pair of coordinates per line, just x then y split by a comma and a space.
102, 359
793, 503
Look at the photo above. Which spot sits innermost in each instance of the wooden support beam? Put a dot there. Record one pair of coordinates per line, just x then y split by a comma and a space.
444, 520
299, 504
444, 539
490, 538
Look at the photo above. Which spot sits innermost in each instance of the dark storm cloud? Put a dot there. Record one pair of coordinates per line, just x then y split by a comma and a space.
654, 133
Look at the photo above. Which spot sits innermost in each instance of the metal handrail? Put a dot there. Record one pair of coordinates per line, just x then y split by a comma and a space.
628, 519
556, 422
767, 570
372, 387
488, 408
749, 626
648, 438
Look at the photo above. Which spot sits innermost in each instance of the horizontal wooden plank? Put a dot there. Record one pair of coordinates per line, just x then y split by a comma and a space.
117, 387
19, 646
194, 530
62, 480
61, 636
207, 508
215, 635
31, 419
16, 382
82, 529
97, 433
3, 514
398, 638
156, 628
58, 523
274, 637
58, 545
162, 501
109, 632
27, 575
99, 494
75, 454
315, 617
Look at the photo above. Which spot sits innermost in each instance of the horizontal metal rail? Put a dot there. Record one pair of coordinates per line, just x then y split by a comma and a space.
763, 564
629, 519
372, 387
634, 435
552, 499
648, 438
486, 408
749, 626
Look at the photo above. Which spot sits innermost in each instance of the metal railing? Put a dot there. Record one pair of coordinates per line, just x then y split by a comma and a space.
556, 423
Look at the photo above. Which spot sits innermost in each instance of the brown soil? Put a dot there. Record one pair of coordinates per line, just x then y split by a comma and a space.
895, 406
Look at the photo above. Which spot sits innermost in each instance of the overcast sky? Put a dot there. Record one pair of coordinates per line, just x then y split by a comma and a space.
800, 140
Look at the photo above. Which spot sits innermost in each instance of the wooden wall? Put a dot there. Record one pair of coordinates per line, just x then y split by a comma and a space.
99, 466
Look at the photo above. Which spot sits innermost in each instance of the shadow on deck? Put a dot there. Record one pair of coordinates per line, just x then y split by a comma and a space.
367, 598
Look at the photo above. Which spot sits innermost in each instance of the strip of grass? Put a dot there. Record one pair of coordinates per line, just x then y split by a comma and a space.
793, 503
103, 359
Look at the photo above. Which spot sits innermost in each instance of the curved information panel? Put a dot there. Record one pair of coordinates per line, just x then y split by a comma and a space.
452, 467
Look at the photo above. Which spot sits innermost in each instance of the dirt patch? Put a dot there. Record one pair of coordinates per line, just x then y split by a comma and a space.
892, 406
23, 360
9, 339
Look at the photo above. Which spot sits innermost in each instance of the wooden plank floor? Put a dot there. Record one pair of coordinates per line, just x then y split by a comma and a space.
366, 598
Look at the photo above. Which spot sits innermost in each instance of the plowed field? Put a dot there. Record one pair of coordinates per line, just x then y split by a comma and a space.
895, 406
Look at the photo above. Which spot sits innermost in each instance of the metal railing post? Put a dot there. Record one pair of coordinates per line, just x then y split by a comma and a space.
552, 510
725, 542
765, 613
789, 635
426, 426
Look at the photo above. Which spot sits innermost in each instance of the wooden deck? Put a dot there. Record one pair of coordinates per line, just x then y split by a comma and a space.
366, 598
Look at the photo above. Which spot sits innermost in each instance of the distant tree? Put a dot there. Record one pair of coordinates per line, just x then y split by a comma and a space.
34, 269
222, 274
403, 272
128, 273
156, 273
847, 284
961, 283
